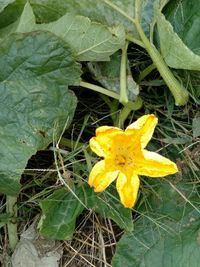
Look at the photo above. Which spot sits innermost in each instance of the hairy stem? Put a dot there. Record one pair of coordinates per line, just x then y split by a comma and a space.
177, 89
99, 89
123, 76
146, 72
134, 40
132, 105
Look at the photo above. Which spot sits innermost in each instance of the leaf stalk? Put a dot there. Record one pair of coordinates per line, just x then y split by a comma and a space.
177, 89
123, 76
137, 104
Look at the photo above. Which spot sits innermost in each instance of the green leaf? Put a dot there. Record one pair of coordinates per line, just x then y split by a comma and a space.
49, 10
150, 246
187, 56
97, 43
59, 213
35, 70
38, 54
11, 12
5, 3
25, 23
167, 233
108, 74
91, 41
108, 205
100, 11
185, 19
97, 10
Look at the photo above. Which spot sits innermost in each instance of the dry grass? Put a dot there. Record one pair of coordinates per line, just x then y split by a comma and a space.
93, 243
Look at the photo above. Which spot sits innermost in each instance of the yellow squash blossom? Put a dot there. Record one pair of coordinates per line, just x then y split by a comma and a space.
125, 157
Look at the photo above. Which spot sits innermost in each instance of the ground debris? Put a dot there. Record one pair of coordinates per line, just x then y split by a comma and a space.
36, 251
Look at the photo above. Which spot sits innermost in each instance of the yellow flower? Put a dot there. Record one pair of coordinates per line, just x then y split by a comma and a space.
125, 157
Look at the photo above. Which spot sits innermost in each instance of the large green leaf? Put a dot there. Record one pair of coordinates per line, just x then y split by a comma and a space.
151, 246
59, 213
38, 54
180, 41
91, 41
35, 70
102, 12
167, 234
49, 10
108, 205
61, 209
96, 10
185, 18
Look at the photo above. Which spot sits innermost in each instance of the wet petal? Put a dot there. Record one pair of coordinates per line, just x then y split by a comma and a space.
100, 178
127, 188
155, 165
143, 128
102, 143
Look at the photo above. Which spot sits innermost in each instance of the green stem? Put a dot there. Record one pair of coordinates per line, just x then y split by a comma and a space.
146, 72
134, 40
179, 92
123, 116
177, 89
11, 208
123, 76
137, 104
99, 89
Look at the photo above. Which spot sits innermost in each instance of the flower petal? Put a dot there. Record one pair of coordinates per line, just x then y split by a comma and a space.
102, 143
143, 128
96, 147
127, 188
100, 178
155, 165
107, 130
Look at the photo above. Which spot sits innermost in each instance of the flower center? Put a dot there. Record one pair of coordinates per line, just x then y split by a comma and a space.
120, 160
